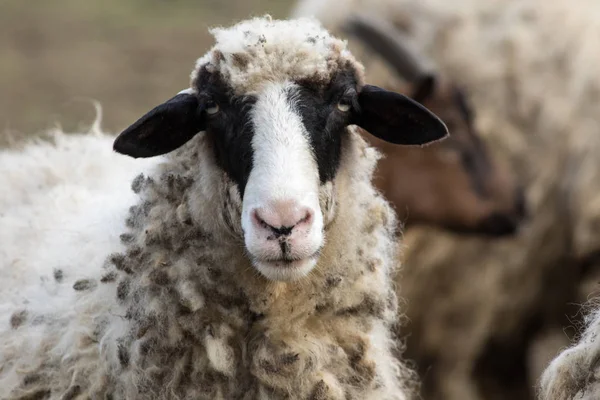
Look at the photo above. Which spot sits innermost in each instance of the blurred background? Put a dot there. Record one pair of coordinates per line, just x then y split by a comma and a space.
128, 55
485, 314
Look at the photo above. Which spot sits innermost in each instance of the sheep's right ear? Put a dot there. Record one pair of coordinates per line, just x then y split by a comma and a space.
163, 129
396, 118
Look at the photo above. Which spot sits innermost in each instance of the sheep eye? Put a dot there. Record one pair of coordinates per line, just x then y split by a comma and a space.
211, 107
344, 105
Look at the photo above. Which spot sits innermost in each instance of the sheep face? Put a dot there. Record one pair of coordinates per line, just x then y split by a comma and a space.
457, 184
280, 141
482, 195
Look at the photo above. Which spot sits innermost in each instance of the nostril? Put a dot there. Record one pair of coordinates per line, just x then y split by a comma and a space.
307, 219
258, 220
281, 221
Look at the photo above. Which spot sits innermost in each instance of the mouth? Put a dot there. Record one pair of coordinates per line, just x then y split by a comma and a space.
287, 260
286, 268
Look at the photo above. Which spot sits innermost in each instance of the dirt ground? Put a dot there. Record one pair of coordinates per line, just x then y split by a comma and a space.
57, 56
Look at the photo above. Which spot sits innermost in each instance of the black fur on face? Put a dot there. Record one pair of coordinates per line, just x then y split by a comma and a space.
324, 110
231, 129
324, 121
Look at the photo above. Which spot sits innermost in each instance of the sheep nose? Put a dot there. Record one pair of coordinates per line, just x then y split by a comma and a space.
281, 217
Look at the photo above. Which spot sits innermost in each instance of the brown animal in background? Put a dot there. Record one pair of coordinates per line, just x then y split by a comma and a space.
460, 185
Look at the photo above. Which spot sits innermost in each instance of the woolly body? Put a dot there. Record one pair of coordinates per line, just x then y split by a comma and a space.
344, 291
531, 71
573, 374
178, 311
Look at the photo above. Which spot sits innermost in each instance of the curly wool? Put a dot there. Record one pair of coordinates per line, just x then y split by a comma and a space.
177, 311
181, 313
574, 373
63, 210
261, 50
531, 72
51, 185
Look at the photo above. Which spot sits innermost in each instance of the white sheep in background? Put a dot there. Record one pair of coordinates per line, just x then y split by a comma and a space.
457, 184
531, 70
257, 261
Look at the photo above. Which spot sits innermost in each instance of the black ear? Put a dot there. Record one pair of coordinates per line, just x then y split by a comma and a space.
397, 119
163, 129
424, 88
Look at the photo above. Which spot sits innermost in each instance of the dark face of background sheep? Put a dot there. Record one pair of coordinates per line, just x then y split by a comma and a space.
280, 143
456, 184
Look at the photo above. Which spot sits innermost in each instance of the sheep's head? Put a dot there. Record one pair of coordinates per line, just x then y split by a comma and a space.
275, 99
456, 184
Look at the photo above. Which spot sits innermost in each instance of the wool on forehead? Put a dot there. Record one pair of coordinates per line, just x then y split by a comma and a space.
261, 49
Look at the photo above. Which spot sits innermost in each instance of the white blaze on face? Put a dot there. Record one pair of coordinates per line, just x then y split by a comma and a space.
281, 217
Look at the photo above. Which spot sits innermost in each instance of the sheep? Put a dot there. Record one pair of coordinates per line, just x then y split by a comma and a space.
531, 71
257, 259
472, 191
573, 373
69, 151
40, 177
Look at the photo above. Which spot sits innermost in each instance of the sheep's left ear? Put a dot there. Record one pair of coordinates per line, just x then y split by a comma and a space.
396, 118
164, 128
